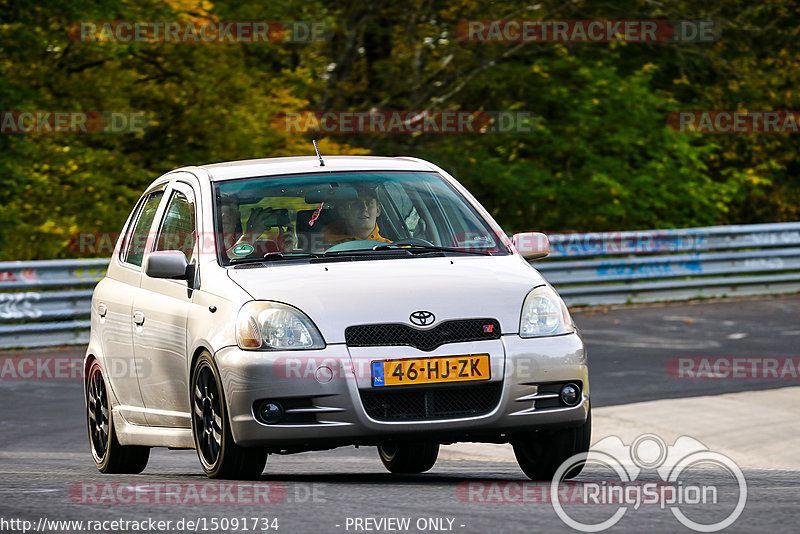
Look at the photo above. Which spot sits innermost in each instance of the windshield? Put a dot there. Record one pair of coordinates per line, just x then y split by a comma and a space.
309, 215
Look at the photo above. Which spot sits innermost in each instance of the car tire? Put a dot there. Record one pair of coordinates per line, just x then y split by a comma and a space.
219, 455
108, 455
540, 454
408, 456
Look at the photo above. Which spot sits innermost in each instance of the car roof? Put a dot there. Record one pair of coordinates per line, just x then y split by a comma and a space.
231, 170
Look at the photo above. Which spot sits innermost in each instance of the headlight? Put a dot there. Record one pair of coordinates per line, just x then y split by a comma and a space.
544, 314
274, 326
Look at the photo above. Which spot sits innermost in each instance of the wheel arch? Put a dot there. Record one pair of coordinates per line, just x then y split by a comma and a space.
88, 360
202, 346
196, 352
195, 355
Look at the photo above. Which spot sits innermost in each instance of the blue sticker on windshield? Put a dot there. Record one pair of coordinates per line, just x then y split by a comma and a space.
377, 374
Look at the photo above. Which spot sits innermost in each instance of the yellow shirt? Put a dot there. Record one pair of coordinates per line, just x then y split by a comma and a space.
336, 233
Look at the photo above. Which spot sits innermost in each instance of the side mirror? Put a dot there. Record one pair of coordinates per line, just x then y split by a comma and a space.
532, 245
169, 264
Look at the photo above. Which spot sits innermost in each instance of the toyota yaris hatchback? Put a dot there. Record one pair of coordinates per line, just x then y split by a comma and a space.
286, 305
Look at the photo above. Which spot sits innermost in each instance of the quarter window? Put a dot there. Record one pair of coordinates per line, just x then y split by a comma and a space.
178, 228
137, 241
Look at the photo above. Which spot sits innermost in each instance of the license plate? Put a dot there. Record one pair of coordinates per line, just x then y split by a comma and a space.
431, 370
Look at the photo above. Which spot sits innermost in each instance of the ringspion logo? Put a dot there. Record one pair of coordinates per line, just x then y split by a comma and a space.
677, 490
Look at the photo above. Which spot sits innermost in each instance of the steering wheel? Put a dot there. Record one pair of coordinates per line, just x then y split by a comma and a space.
413, 241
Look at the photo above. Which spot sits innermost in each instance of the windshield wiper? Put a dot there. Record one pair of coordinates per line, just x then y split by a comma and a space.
274, 256
289, 255
359, 252
380, 249
431, 248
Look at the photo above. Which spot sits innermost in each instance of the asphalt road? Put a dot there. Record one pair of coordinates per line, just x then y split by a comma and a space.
630, 347
46, 470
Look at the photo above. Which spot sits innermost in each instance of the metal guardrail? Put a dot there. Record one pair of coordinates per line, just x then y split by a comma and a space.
46, 303
663, 265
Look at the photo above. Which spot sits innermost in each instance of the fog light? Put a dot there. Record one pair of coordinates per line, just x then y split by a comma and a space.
570, 394
270, 412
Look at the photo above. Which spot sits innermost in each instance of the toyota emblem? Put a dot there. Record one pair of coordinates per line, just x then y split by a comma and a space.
422, 318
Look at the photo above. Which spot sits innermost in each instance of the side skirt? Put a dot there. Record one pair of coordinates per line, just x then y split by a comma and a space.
151, 436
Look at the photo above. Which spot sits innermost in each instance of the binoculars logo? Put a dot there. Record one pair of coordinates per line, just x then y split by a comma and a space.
650, 452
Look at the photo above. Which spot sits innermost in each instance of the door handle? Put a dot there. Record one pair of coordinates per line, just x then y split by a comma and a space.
138, 318
102, 310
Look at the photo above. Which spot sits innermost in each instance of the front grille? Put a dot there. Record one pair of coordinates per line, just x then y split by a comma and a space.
438, 403
377, 335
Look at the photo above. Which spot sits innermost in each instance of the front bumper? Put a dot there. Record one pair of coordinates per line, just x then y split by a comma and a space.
337, 416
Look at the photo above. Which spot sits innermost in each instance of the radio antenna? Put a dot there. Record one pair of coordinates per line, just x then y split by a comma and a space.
321, 163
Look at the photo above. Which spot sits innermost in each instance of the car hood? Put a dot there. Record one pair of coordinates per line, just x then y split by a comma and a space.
336, 295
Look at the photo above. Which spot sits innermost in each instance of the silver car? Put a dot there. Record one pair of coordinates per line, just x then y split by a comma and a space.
296, 304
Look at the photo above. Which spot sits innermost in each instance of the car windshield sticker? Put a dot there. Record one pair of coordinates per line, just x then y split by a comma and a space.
377, 374
243, 249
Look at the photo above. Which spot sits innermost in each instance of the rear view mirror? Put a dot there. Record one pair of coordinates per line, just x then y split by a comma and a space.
331, 194
170, 264
278, 217
532, 245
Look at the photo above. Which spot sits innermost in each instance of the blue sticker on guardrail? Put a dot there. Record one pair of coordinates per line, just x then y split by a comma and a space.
687, 268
